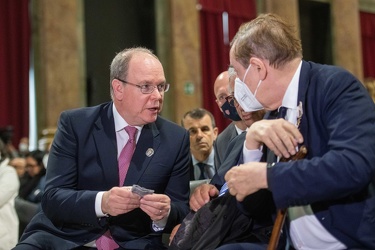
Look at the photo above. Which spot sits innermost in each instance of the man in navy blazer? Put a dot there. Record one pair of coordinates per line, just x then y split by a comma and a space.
83, 199
330, 194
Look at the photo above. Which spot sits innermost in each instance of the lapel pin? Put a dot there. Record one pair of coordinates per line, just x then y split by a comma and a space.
149, 152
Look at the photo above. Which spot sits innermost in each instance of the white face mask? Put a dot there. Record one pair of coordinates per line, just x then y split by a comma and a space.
45, 160
23, 147
245, 98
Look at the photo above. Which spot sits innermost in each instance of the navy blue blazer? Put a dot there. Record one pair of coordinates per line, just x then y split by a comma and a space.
83, 161
338, 129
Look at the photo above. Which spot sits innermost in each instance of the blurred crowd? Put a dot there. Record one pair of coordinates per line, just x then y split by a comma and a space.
21, 196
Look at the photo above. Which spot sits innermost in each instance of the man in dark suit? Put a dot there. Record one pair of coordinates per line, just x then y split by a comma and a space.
236, 127
201, 125
224, 88
259, 206
254, 218
83, 201
329, 194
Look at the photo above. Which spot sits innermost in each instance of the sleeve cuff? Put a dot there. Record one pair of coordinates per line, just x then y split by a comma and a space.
98, 205
160, 224
251, 155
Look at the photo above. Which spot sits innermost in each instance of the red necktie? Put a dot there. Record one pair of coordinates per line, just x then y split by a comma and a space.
105, 242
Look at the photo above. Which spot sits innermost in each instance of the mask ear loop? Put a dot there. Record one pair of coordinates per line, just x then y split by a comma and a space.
257, 88
243, 80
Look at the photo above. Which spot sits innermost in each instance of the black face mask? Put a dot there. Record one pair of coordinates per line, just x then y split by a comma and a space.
230, 112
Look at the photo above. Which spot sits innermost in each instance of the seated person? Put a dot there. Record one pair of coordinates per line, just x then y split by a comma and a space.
222, 90
99, 153
203, 132
32, 188
256, 210
9, 186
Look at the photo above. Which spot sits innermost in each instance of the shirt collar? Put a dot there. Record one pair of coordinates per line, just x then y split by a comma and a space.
291, 94
208, 161
239, 131
120, 122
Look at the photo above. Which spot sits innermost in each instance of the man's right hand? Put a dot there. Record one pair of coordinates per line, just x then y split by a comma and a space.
279, 135
202, 194
119, 200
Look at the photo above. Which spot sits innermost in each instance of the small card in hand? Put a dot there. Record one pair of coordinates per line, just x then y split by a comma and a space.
141, 191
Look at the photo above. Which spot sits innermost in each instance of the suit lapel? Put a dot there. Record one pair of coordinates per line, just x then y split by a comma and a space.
105, 142
302, 92
146, 148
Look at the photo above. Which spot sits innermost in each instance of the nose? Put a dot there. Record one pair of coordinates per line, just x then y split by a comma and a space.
199, 134
157, 94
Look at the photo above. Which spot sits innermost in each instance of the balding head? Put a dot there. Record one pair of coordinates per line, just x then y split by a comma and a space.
221, 88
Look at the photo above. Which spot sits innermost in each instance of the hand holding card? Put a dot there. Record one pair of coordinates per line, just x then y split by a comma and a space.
141, 191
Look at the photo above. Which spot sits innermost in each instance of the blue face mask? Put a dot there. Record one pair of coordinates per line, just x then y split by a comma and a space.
230, 112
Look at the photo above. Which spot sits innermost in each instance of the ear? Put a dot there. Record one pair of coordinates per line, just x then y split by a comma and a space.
216, 132
118, 89
218, 105
259, 65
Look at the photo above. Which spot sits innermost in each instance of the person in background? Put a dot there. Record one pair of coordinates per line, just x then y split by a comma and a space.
259, 207
236, 127
203, 132
6, 135
28, 201
330, 193
118, 174
9, 185
255, 216
19, 163
205, 192
23, 146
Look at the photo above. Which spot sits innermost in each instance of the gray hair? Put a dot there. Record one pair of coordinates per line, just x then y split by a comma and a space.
232, 76
268, 37
120, 64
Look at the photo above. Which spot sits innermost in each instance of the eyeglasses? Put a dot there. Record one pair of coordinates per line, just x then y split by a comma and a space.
231, 100
28, 166
147, 88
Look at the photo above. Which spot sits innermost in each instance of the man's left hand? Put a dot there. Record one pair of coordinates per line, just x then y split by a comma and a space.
157, 206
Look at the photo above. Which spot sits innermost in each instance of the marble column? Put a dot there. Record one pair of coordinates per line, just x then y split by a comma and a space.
179, 50
347, 50
287, 9
57, 36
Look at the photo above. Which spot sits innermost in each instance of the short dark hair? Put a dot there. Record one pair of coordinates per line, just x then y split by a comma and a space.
37, 155
199, 113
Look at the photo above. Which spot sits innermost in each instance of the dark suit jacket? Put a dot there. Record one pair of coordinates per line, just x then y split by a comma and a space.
338, 128
259, 205
222, 142
83, 161
191, 170
231, 158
